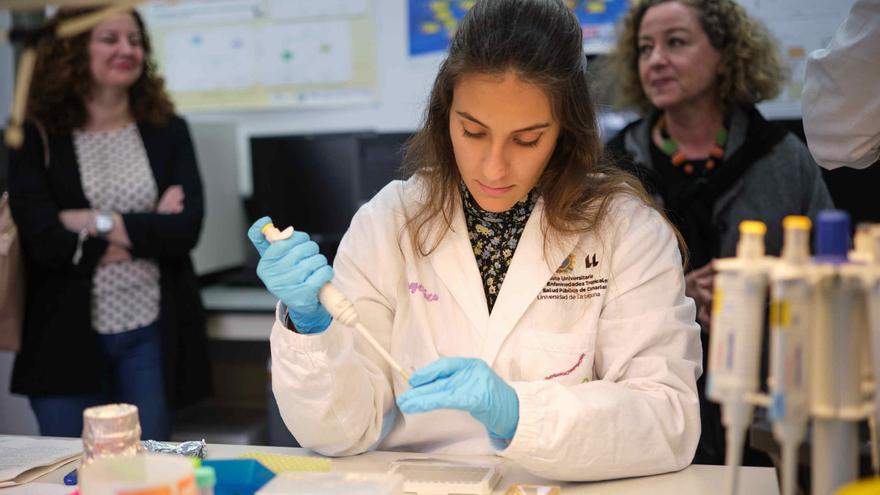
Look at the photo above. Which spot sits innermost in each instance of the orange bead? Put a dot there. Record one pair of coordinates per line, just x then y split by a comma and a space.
677, 159
688, 169
710, 165
716, 152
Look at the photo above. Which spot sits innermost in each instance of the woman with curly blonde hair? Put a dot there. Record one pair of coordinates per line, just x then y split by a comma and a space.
695, 69
108, 201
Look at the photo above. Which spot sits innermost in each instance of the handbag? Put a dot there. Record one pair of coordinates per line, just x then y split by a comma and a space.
11, 281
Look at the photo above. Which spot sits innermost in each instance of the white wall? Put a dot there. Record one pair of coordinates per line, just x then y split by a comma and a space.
404, 84
221, 244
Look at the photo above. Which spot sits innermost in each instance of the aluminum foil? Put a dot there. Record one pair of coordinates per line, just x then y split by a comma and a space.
195, 448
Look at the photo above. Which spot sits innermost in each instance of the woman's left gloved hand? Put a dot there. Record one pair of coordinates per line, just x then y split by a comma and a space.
469, 385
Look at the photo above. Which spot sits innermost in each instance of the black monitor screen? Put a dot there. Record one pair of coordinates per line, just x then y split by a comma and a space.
316, 182
381, 156
308, 182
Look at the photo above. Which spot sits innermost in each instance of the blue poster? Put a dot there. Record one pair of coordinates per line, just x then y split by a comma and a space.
598, 21
432, 23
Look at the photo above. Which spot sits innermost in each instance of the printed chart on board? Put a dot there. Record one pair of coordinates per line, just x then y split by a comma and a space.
433, 22
799, 26
253, 54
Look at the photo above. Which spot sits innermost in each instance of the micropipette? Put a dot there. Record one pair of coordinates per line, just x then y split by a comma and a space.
835, 371
791, 299
337, 305
872, 288
735, 346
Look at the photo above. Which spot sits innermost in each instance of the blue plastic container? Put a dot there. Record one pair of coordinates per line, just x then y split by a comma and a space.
239, 476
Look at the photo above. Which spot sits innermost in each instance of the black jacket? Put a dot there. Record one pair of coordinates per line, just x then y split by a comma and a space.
767, 173
59, 354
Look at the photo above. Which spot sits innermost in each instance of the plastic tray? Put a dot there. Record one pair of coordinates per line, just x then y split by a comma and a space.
239, 476
437, 477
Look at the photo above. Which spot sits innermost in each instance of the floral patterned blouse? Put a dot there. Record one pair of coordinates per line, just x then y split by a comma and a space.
494, 237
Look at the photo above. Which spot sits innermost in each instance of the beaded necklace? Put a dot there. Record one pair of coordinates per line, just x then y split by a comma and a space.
676, 157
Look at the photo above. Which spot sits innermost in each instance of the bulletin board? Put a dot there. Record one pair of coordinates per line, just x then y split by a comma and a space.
799, 26
258, 54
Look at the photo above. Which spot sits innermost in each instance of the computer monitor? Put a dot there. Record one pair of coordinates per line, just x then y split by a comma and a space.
317, 182
308, 182
381, 156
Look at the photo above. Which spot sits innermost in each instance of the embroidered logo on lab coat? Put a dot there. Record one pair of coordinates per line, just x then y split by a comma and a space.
417, 287
568, 284
592, 264
568, 371
567, 266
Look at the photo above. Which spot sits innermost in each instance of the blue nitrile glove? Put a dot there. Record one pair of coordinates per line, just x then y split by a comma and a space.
294, 271
467, 384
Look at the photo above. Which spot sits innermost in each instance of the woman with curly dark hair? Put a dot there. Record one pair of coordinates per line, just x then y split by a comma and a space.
696, 68
108, 201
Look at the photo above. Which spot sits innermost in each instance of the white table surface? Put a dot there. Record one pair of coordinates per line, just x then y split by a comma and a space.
693, 480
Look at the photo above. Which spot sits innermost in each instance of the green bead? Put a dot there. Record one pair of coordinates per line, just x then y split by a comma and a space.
721, 137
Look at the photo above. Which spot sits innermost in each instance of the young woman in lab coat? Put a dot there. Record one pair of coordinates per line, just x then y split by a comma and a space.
536, 297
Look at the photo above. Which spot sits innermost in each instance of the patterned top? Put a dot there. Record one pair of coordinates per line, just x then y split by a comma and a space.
116, 176
494, 237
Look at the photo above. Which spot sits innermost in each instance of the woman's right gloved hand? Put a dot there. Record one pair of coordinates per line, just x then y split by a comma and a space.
294, 271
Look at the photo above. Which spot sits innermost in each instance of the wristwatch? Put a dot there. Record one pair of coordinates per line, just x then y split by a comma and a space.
103, 223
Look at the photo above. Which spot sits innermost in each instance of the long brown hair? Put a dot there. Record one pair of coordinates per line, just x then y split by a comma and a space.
751, 67
541, 41
63, 80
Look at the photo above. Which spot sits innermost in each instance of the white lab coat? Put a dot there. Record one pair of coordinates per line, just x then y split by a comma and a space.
841, 96
602, 350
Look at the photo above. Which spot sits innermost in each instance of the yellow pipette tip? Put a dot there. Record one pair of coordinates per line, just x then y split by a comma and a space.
798, 222
266, 227
752, 227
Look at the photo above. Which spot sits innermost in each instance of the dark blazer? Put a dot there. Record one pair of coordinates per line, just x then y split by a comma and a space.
59, 347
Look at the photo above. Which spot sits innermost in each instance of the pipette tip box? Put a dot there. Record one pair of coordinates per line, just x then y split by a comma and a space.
437, 477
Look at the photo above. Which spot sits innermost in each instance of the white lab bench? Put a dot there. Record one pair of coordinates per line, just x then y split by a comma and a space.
693, 480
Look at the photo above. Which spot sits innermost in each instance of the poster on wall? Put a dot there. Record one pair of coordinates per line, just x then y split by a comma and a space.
432, 23
255, 54
799, 27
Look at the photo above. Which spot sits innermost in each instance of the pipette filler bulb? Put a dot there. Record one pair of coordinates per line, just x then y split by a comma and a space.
335, 302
